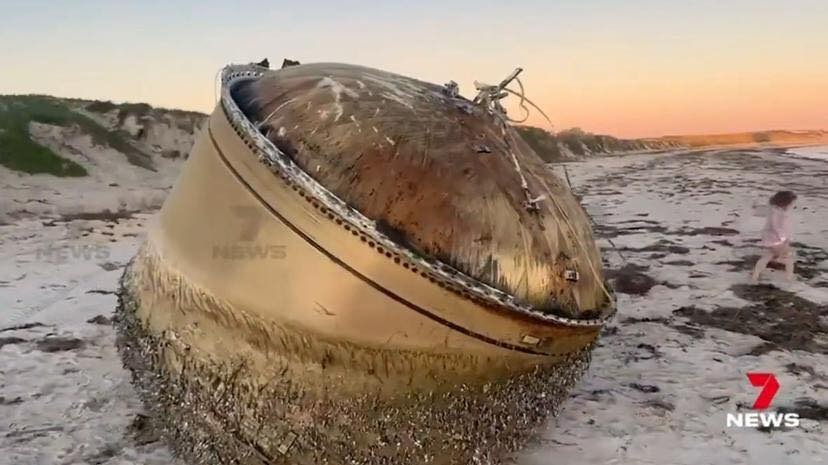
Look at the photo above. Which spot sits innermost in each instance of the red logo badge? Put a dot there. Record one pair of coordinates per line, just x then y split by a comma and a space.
769, 385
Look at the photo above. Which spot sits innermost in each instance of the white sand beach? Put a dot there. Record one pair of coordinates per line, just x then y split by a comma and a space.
816, 152
665, 373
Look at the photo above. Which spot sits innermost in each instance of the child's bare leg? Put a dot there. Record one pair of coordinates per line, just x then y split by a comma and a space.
761, 264
789, 259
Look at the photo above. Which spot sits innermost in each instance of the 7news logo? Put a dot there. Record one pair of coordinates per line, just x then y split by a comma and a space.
769, 386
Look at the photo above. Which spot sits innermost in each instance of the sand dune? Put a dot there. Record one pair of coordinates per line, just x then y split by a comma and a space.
773, 137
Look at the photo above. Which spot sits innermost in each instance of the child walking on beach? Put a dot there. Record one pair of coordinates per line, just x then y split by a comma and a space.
776, 235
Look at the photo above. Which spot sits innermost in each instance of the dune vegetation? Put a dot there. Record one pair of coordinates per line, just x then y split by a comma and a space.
772, 137
186, 120
19, 152
574, 143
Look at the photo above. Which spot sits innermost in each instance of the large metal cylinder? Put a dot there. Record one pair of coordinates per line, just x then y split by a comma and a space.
291, 306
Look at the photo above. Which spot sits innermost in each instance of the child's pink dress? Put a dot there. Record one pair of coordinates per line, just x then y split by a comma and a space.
778, 228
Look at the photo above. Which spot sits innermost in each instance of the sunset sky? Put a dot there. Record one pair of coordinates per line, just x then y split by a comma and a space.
622, 67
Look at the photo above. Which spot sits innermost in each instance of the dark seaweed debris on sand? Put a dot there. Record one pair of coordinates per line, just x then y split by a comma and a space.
630, 279
782, 319
59, 344
808, 262
5, 341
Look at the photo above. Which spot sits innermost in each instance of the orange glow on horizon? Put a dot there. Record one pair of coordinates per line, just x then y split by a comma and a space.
606, 66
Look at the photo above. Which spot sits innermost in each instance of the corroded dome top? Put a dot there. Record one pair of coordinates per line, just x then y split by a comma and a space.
439, 175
